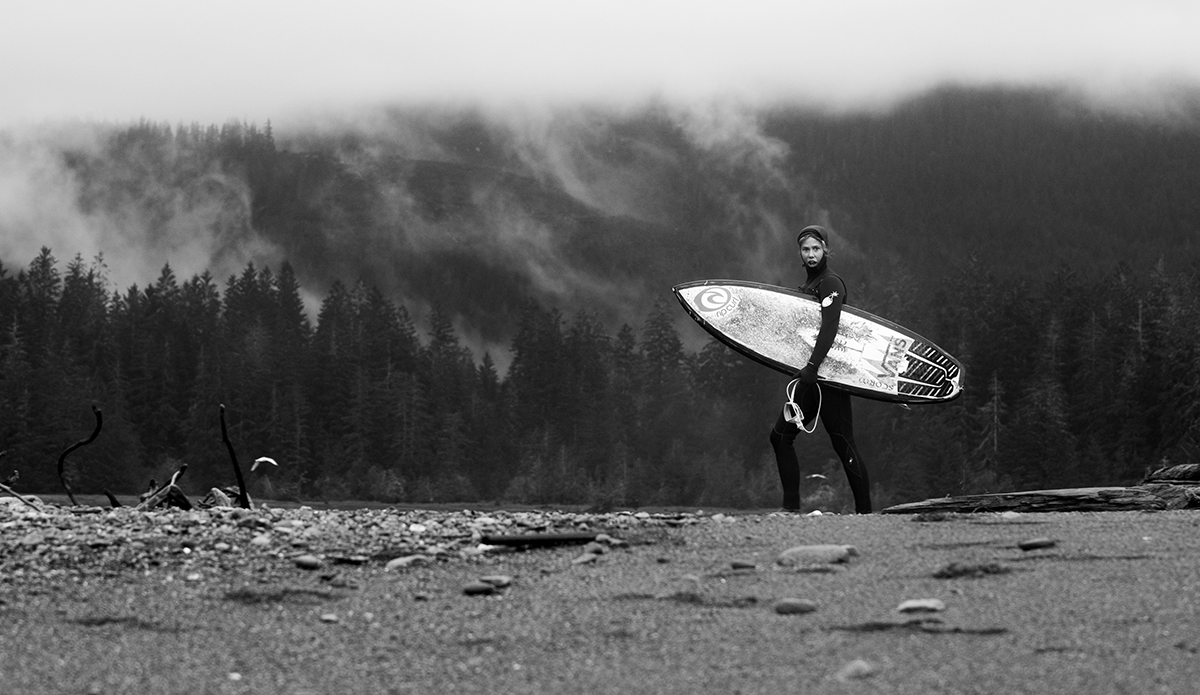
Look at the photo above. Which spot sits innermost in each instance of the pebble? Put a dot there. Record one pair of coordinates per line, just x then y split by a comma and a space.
585, 559
859, 668
497, 580
261, 539
479, 588
329, 617
794, 606
742, 565
405, 562
308, 562
815, 555
921, 605
1035, 543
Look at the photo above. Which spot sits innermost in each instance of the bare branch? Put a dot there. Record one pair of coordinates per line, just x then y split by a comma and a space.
63, 456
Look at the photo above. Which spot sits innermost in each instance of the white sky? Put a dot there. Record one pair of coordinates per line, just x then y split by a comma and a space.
213, 60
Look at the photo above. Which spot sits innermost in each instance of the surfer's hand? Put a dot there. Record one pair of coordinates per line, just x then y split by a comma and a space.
808, 375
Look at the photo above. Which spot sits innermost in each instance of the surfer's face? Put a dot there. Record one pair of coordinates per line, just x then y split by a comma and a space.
811, 251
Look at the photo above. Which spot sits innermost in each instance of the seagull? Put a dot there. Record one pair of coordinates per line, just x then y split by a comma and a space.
262, 459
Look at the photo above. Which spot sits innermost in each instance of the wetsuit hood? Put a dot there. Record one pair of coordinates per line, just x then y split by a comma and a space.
818, 232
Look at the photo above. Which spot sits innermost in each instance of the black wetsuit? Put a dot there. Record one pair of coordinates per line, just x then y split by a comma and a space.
835, 410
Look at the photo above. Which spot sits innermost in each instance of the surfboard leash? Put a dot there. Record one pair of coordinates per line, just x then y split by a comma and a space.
792, 412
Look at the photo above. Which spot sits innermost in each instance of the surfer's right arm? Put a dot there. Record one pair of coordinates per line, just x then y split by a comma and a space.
830, 292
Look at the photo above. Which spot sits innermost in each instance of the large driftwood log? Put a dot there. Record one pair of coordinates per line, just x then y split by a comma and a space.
1149, 496
1182, 474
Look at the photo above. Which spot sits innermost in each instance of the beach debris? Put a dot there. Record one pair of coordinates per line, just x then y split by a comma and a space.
795, 606
406, 562
539, 540
803, 555
479, 588
921, 605
933, 516
856, 670
308, 562
1037, 543
243, 498
169, 494
49, 540
27, 500
926, 625
83, 442
956, 570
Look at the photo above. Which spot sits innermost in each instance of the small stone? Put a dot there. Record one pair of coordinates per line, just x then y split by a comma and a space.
1035, 543
261, 539
1010, 515
406, 562
479, 589
585, 559
595, 548
308, 562
221, 547
193, 577
497, 580
742, 565
815, 555
794, 606
856, 669
921, 605
329, 617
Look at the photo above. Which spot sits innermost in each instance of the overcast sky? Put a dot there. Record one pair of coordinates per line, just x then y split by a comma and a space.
214, 60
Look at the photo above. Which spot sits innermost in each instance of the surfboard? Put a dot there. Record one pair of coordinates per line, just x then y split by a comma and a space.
870, 357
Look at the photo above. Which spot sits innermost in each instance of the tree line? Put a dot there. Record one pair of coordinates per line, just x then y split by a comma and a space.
1073, 381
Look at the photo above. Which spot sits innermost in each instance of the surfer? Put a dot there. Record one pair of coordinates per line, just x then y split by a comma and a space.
833, 405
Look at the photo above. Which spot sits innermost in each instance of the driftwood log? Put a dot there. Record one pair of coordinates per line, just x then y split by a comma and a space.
10, 491
83, 442
1148, 496
169, 494
1183, 474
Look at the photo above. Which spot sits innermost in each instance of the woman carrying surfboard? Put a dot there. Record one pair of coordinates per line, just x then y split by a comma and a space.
808, 400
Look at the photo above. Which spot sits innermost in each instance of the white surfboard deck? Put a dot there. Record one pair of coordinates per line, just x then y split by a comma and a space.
871, 357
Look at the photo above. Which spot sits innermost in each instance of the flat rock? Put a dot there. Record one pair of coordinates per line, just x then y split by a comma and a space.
308, 562
479, 588
1036, 543
802, 555
854, 670
921, 605
406, 562
794, 606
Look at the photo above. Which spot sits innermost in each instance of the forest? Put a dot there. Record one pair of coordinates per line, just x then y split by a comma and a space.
443, 362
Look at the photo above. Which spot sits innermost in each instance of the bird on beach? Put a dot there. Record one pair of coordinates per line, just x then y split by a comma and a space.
262, 459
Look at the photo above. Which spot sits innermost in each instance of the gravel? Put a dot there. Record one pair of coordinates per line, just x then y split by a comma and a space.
115, 601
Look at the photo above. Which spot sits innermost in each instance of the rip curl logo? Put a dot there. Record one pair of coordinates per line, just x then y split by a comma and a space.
828, 300
716, 300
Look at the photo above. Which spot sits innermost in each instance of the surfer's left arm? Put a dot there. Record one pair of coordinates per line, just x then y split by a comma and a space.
831, 293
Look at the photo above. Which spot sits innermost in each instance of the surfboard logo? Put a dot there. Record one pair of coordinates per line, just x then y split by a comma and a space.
715, 299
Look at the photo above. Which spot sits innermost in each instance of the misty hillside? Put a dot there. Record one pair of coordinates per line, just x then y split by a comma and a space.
475, 211
446, 305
